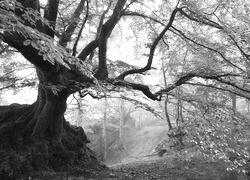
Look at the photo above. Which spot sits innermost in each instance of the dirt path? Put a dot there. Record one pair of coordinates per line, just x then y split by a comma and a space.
167, 168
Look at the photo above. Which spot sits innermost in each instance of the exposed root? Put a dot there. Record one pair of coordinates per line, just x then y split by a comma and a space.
21, 153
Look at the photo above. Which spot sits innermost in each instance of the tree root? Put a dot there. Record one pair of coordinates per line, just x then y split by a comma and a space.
32, 153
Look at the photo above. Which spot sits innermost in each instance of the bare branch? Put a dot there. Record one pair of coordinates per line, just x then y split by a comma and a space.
152, 48
179, 82
106, 29
90, 52
50, 13
204, 46
220, 88
204, 20
102, 71
99, 29
143, 88
200, 19
66, 36
182, 80
114, 18
232, 84
131, 13
127, 6
88, 49
239, 48
81, 29
217, 77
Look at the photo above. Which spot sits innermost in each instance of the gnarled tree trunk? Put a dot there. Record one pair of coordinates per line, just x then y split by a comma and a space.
37, 137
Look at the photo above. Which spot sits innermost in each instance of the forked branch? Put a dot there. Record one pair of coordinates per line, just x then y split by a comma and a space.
106, 30
81, 29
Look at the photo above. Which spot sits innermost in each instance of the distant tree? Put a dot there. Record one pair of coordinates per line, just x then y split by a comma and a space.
166, 100
104, 128
37, 136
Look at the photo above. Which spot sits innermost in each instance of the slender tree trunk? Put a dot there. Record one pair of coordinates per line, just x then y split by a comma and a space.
166, 100
179, 116
121, 120
104, 133
166, 114
179, 91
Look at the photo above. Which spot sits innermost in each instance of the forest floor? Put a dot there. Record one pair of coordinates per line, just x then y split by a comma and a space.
165, 168
138, 163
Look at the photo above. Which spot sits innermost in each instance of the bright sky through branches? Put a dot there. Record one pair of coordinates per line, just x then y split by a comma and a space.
43, 2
